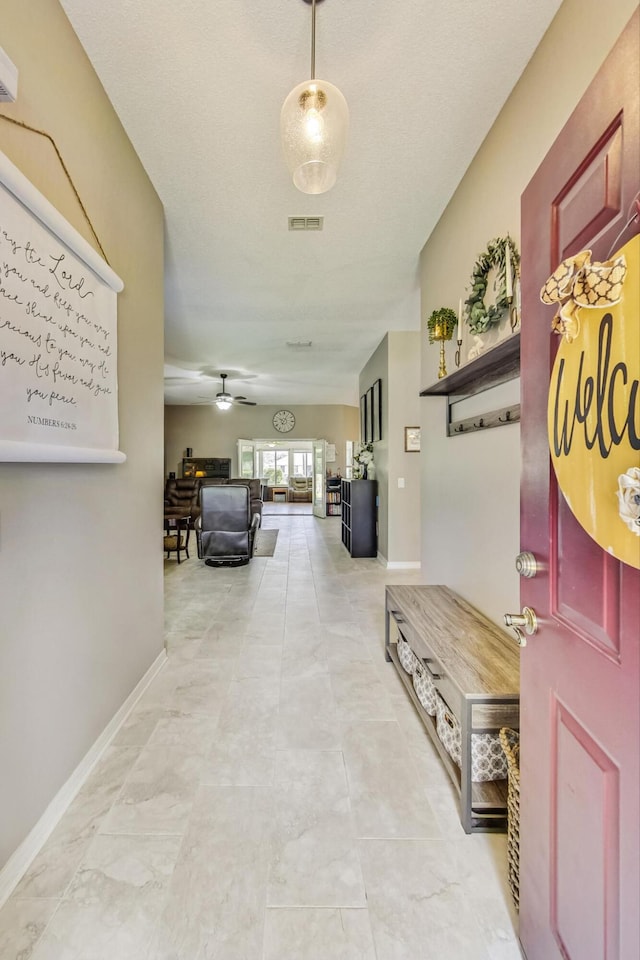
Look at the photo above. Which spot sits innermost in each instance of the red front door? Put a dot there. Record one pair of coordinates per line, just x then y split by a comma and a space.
580, 674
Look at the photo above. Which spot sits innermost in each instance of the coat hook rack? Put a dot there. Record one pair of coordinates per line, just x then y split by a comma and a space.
496, 418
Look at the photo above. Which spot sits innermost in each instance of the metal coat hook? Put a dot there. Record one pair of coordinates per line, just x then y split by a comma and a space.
459, 429
480, 424
507, 418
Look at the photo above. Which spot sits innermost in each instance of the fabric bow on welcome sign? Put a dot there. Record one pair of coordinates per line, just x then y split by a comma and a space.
578, 282
593, 410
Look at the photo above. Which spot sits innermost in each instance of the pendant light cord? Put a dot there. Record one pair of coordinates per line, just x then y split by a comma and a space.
313, 39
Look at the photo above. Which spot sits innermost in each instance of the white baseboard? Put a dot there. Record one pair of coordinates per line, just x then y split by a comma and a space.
20, 861
399, 564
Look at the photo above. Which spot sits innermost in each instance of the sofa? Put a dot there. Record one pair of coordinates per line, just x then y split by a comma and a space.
182, 495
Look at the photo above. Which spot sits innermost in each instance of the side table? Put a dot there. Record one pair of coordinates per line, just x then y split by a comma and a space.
174, 527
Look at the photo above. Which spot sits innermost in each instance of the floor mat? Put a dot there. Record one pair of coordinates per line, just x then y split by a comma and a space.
265, 544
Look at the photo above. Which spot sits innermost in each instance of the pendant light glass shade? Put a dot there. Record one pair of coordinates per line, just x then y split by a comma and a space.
313, 124
223, 403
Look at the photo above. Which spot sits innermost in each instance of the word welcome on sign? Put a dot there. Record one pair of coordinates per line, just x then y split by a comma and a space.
594, 414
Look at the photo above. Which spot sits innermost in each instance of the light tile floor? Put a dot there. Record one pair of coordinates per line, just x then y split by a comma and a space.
273, 796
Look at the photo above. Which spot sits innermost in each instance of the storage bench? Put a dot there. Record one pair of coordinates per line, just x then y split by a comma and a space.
473, 668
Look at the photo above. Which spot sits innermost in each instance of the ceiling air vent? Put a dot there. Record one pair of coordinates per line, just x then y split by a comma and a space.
8, 78
306, 223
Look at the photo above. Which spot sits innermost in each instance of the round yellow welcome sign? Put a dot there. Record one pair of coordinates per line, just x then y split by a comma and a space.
594, 397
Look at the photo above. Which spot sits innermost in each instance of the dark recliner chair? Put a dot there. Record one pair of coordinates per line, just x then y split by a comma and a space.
226, 527
181, 498
255, 492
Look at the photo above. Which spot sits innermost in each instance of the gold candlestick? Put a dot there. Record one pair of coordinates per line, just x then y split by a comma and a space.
440, 325
442, 369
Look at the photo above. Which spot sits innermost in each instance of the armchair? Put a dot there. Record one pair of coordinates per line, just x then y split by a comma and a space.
226, 527
181, 498
300, 489
255, 491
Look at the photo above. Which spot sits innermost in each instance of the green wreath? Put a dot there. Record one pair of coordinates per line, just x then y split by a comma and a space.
478, 316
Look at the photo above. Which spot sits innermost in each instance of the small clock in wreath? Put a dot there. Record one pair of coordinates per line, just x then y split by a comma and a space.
502, 256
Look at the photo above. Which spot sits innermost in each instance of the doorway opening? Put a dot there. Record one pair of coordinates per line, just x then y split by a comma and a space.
293, 475
285, 470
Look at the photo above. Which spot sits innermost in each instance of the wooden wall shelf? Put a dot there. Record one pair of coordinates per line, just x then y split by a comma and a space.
496, 366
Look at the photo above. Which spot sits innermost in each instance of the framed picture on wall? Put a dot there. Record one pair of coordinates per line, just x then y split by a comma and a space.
377, 411
363, 419
412, 439
369, 414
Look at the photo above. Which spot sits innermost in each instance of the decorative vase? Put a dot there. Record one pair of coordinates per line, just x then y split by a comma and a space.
364, 472
371, 472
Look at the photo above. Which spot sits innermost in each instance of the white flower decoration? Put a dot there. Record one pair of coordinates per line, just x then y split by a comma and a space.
629, 499
362, 458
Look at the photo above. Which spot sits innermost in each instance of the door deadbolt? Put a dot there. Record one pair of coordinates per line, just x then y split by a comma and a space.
526, 564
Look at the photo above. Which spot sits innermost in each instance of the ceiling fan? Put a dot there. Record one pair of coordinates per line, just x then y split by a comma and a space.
224, 400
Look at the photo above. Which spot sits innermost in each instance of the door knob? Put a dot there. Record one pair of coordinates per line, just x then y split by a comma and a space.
526, 564
526, 621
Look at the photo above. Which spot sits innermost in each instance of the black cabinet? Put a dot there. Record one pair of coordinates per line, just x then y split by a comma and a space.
359, 517
218, 468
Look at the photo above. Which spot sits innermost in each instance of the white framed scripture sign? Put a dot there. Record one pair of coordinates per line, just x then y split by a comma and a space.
58, 334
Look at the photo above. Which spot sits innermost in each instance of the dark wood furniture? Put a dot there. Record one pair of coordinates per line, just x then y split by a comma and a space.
359, 519
174, 527
475, 668
216, 468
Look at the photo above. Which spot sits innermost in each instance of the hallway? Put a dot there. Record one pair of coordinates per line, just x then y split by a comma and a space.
273, 795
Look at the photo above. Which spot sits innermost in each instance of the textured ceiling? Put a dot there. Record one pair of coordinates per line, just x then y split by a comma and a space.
198, 85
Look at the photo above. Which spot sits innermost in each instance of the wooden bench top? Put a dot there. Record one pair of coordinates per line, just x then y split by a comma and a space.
479, 657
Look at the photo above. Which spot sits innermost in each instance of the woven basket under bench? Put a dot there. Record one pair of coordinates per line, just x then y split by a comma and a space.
511, 747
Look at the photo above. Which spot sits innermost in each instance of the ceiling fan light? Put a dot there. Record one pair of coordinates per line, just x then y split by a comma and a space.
314, 121
223, 403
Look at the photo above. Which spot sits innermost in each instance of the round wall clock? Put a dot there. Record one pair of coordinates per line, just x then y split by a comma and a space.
284, 421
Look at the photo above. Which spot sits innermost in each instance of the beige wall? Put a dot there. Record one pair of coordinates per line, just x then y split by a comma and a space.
214, 433
470, 485
80, 566
404, 411
396, 361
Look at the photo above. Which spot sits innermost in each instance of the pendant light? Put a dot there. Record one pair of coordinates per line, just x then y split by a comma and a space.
313, 126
